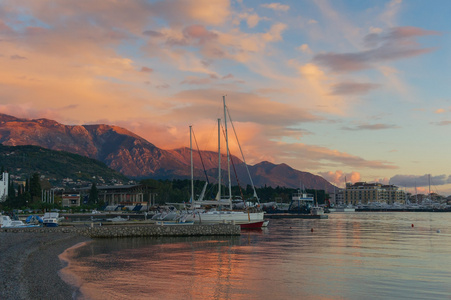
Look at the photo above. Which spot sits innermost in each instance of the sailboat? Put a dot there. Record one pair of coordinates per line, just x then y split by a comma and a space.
220, 211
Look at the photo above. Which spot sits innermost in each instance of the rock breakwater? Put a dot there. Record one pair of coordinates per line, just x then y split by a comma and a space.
136, 230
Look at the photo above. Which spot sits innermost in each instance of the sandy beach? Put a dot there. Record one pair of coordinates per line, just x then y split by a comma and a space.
30, 265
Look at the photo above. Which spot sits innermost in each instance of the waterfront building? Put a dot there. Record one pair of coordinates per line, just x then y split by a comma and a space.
123, 196
362, 193
71, 199
4, 183
337, 197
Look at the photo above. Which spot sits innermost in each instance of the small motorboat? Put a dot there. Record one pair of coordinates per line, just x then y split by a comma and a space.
50, 219
6, 222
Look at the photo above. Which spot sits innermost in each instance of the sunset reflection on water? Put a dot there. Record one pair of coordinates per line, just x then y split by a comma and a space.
348, 256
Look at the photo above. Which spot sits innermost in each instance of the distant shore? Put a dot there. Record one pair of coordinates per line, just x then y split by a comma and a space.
30, 265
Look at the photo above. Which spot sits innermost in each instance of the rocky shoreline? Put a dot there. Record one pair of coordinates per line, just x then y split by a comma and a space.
30, 265
29, 256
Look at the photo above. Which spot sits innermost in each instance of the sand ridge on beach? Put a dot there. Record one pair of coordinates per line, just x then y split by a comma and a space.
30, 264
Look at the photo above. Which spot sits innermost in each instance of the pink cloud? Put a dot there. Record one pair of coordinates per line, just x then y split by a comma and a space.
353, 88
199, 33
196, 80
398, 43
153, 33
182, 12
371, 127
146, 70
17, 57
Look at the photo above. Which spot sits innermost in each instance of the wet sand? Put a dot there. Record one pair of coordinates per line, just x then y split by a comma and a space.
30, 265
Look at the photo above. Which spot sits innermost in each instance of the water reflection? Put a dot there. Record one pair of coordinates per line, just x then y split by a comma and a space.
348, 256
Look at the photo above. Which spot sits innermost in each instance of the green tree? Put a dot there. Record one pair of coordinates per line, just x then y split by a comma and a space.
35, 187
11, 190
93, 194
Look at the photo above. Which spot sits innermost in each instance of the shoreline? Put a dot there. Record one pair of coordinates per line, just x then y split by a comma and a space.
31, 265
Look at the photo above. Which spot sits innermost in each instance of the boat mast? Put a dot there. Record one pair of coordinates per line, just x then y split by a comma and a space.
244, 160
219, 160
227, 146
192, 167
416, 194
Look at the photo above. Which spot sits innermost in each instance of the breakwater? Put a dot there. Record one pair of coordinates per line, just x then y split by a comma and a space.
116, 231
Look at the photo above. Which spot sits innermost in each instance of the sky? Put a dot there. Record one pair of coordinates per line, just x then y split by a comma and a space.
345, 89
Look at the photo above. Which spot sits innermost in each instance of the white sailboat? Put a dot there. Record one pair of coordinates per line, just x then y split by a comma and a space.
222, 207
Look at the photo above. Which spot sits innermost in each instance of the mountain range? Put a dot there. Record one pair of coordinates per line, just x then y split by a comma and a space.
137, 158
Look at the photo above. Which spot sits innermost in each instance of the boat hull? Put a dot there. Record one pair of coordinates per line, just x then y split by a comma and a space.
228, 217
252, 225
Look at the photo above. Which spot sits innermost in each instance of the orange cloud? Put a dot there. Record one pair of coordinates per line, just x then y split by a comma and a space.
71, 64
339, 178
305, 48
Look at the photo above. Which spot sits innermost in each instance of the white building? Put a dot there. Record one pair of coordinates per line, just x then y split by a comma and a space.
4, 187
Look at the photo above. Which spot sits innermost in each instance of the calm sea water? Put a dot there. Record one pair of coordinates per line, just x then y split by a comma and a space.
348, 256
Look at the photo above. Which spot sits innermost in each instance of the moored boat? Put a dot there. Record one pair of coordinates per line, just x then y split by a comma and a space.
117, 219
317, 210
51, 219
7, 222
221, 209
301, 206
165, 223
252, 225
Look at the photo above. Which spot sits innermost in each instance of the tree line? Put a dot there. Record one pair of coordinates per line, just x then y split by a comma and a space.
165, 191
179, 191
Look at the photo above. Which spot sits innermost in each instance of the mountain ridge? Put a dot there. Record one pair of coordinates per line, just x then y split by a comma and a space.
135, 157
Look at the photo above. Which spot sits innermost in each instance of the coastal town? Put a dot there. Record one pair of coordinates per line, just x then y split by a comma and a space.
75, 195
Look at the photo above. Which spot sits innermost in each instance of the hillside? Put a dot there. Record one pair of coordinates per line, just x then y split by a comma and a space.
23, 161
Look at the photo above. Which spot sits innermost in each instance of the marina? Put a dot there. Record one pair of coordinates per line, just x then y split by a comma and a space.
221, 209
225, 150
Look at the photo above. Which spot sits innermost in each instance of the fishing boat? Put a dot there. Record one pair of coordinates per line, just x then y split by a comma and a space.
221, 209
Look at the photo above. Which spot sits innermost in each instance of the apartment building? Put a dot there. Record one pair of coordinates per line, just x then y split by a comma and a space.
364, 193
